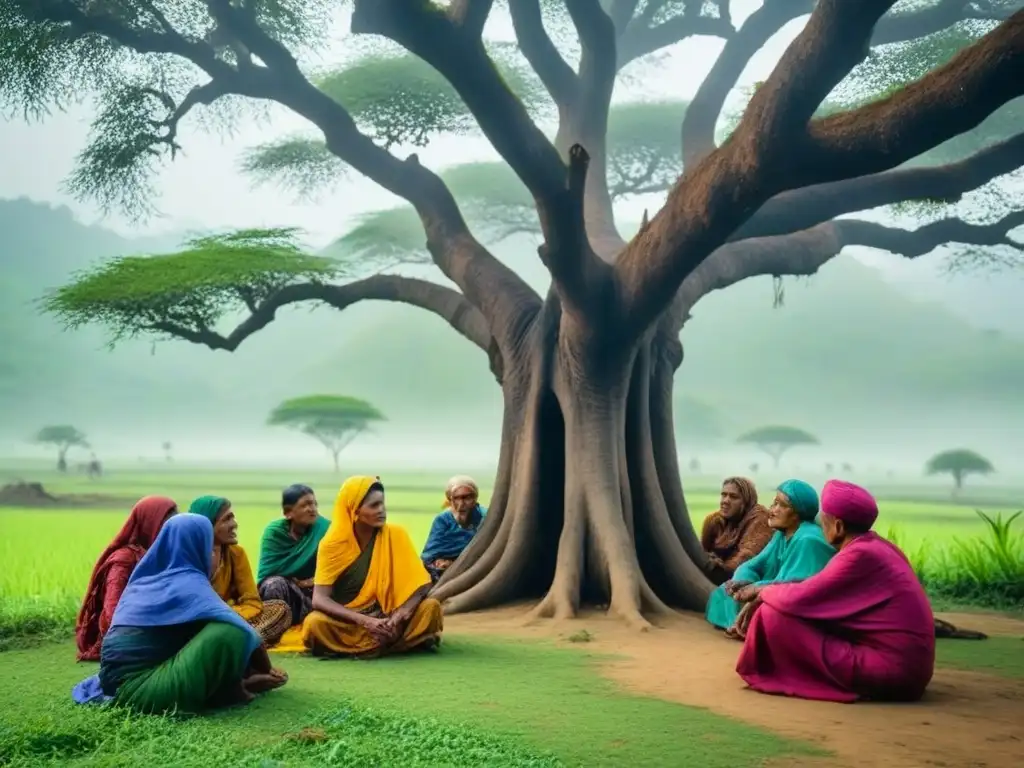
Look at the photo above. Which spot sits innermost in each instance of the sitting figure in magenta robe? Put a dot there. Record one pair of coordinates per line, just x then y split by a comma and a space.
796, 551
455, 527
860, 629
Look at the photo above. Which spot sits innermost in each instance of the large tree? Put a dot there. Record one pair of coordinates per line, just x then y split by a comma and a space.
588, 503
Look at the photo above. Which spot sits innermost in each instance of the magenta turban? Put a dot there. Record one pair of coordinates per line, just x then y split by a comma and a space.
849, 503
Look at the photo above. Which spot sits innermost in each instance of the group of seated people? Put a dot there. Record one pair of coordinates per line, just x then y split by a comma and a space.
826, 608
173, 596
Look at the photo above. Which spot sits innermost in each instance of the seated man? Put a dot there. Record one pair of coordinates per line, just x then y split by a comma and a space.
860, 629
797, 550
370, 588
173, 644
288, 552
232, 574
737, 531
455, 527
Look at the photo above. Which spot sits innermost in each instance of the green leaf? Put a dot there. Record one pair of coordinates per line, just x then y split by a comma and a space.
62, 435
778, 435
302, 165
193, 288
958, 460
320, 409
382, 239
402, 100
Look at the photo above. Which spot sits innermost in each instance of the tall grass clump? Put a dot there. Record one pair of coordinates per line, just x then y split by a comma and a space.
985, 570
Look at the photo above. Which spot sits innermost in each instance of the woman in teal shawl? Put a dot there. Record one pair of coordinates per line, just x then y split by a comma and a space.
796, 551
288, 552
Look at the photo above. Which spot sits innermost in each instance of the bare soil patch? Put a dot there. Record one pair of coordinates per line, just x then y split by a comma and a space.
966, 719
33, 495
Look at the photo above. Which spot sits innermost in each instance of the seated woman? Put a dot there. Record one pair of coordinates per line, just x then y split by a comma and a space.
173, 645
796, 551
232, 575
113, 569
455, 527
370, 589
738, 531
860, 629
288, 552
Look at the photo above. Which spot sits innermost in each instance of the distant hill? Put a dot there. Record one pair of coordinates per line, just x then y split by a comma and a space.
848, 352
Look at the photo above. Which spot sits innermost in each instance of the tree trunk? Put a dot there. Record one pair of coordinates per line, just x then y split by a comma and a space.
62, 460
587, 505
337, 464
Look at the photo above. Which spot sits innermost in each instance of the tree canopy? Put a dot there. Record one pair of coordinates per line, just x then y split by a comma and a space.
775, 440
333, 420
958, 463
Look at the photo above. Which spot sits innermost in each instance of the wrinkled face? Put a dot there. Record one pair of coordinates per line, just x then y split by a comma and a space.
463, 501
304, 512
731, 503
782, 516
225, 530
372, 511
832, 527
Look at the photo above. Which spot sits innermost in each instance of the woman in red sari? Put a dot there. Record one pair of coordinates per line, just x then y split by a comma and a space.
114, 568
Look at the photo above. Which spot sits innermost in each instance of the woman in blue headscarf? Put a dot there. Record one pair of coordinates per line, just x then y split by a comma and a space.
173, 644
796, 551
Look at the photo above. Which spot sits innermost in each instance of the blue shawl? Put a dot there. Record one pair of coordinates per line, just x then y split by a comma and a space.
447, 538
171, 586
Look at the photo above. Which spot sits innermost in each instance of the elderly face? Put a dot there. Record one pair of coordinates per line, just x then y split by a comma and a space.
832, 527
225, 529
463, 500
372, 511
304, 512
782, 516
731, 503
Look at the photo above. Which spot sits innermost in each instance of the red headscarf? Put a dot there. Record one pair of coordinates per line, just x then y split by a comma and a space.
135, 537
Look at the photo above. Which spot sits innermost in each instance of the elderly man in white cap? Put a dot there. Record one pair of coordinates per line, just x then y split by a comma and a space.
455, 527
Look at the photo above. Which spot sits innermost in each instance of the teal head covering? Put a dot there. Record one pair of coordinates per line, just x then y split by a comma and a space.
802, 496
210, 506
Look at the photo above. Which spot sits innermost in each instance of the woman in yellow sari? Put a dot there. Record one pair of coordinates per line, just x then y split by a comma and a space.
370, 588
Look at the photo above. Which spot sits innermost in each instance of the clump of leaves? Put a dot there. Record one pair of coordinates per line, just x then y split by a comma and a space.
191, 289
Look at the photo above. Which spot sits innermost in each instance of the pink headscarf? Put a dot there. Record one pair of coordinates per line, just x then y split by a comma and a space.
849, 503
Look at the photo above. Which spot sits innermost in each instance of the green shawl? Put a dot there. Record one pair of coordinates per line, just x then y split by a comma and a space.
281, 555
208, 506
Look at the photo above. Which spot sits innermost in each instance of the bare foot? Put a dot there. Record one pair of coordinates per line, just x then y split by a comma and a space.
259, 683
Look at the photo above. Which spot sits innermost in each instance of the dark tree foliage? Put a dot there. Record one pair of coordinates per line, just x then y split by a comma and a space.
909, 107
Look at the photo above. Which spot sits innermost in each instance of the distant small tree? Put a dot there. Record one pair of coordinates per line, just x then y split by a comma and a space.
167, 451
776, 440
334, 420
959, 463
63, 437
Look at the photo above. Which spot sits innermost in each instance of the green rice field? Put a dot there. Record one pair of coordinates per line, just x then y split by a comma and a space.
48, 552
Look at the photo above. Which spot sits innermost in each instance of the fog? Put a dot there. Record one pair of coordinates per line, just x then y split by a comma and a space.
885, 361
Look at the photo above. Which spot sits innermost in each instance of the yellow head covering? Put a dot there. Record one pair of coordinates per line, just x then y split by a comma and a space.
459, 481
396, 571
339, 547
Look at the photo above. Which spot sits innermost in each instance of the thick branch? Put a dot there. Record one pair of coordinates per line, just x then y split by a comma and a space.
805, 252
471, 15
958, 97
443, 302
774, 149
803, 208
538, 49
721, 192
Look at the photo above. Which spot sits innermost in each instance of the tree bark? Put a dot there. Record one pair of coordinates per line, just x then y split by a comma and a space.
580, 511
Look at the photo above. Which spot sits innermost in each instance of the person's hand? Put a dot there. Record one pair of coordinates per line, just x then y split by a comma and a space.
746, 614
303, 583
381, 630
747, 593
279, 674
732, 586
714, 561
442, 563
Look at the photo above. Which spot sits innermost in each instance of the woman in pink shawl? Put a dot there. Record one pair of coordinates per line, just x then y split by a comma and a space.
862, 628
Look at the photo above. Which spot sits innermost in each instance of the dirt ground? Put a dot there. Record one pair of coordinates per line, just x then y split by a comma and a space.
966, 720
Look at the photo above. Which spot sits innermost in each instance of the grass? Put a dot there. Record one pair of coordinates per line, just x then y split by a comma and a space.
1002, 656
477, 702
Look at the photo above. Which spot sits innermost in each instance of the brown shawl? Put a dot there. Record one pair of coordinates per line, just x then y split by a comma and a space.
736, 541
